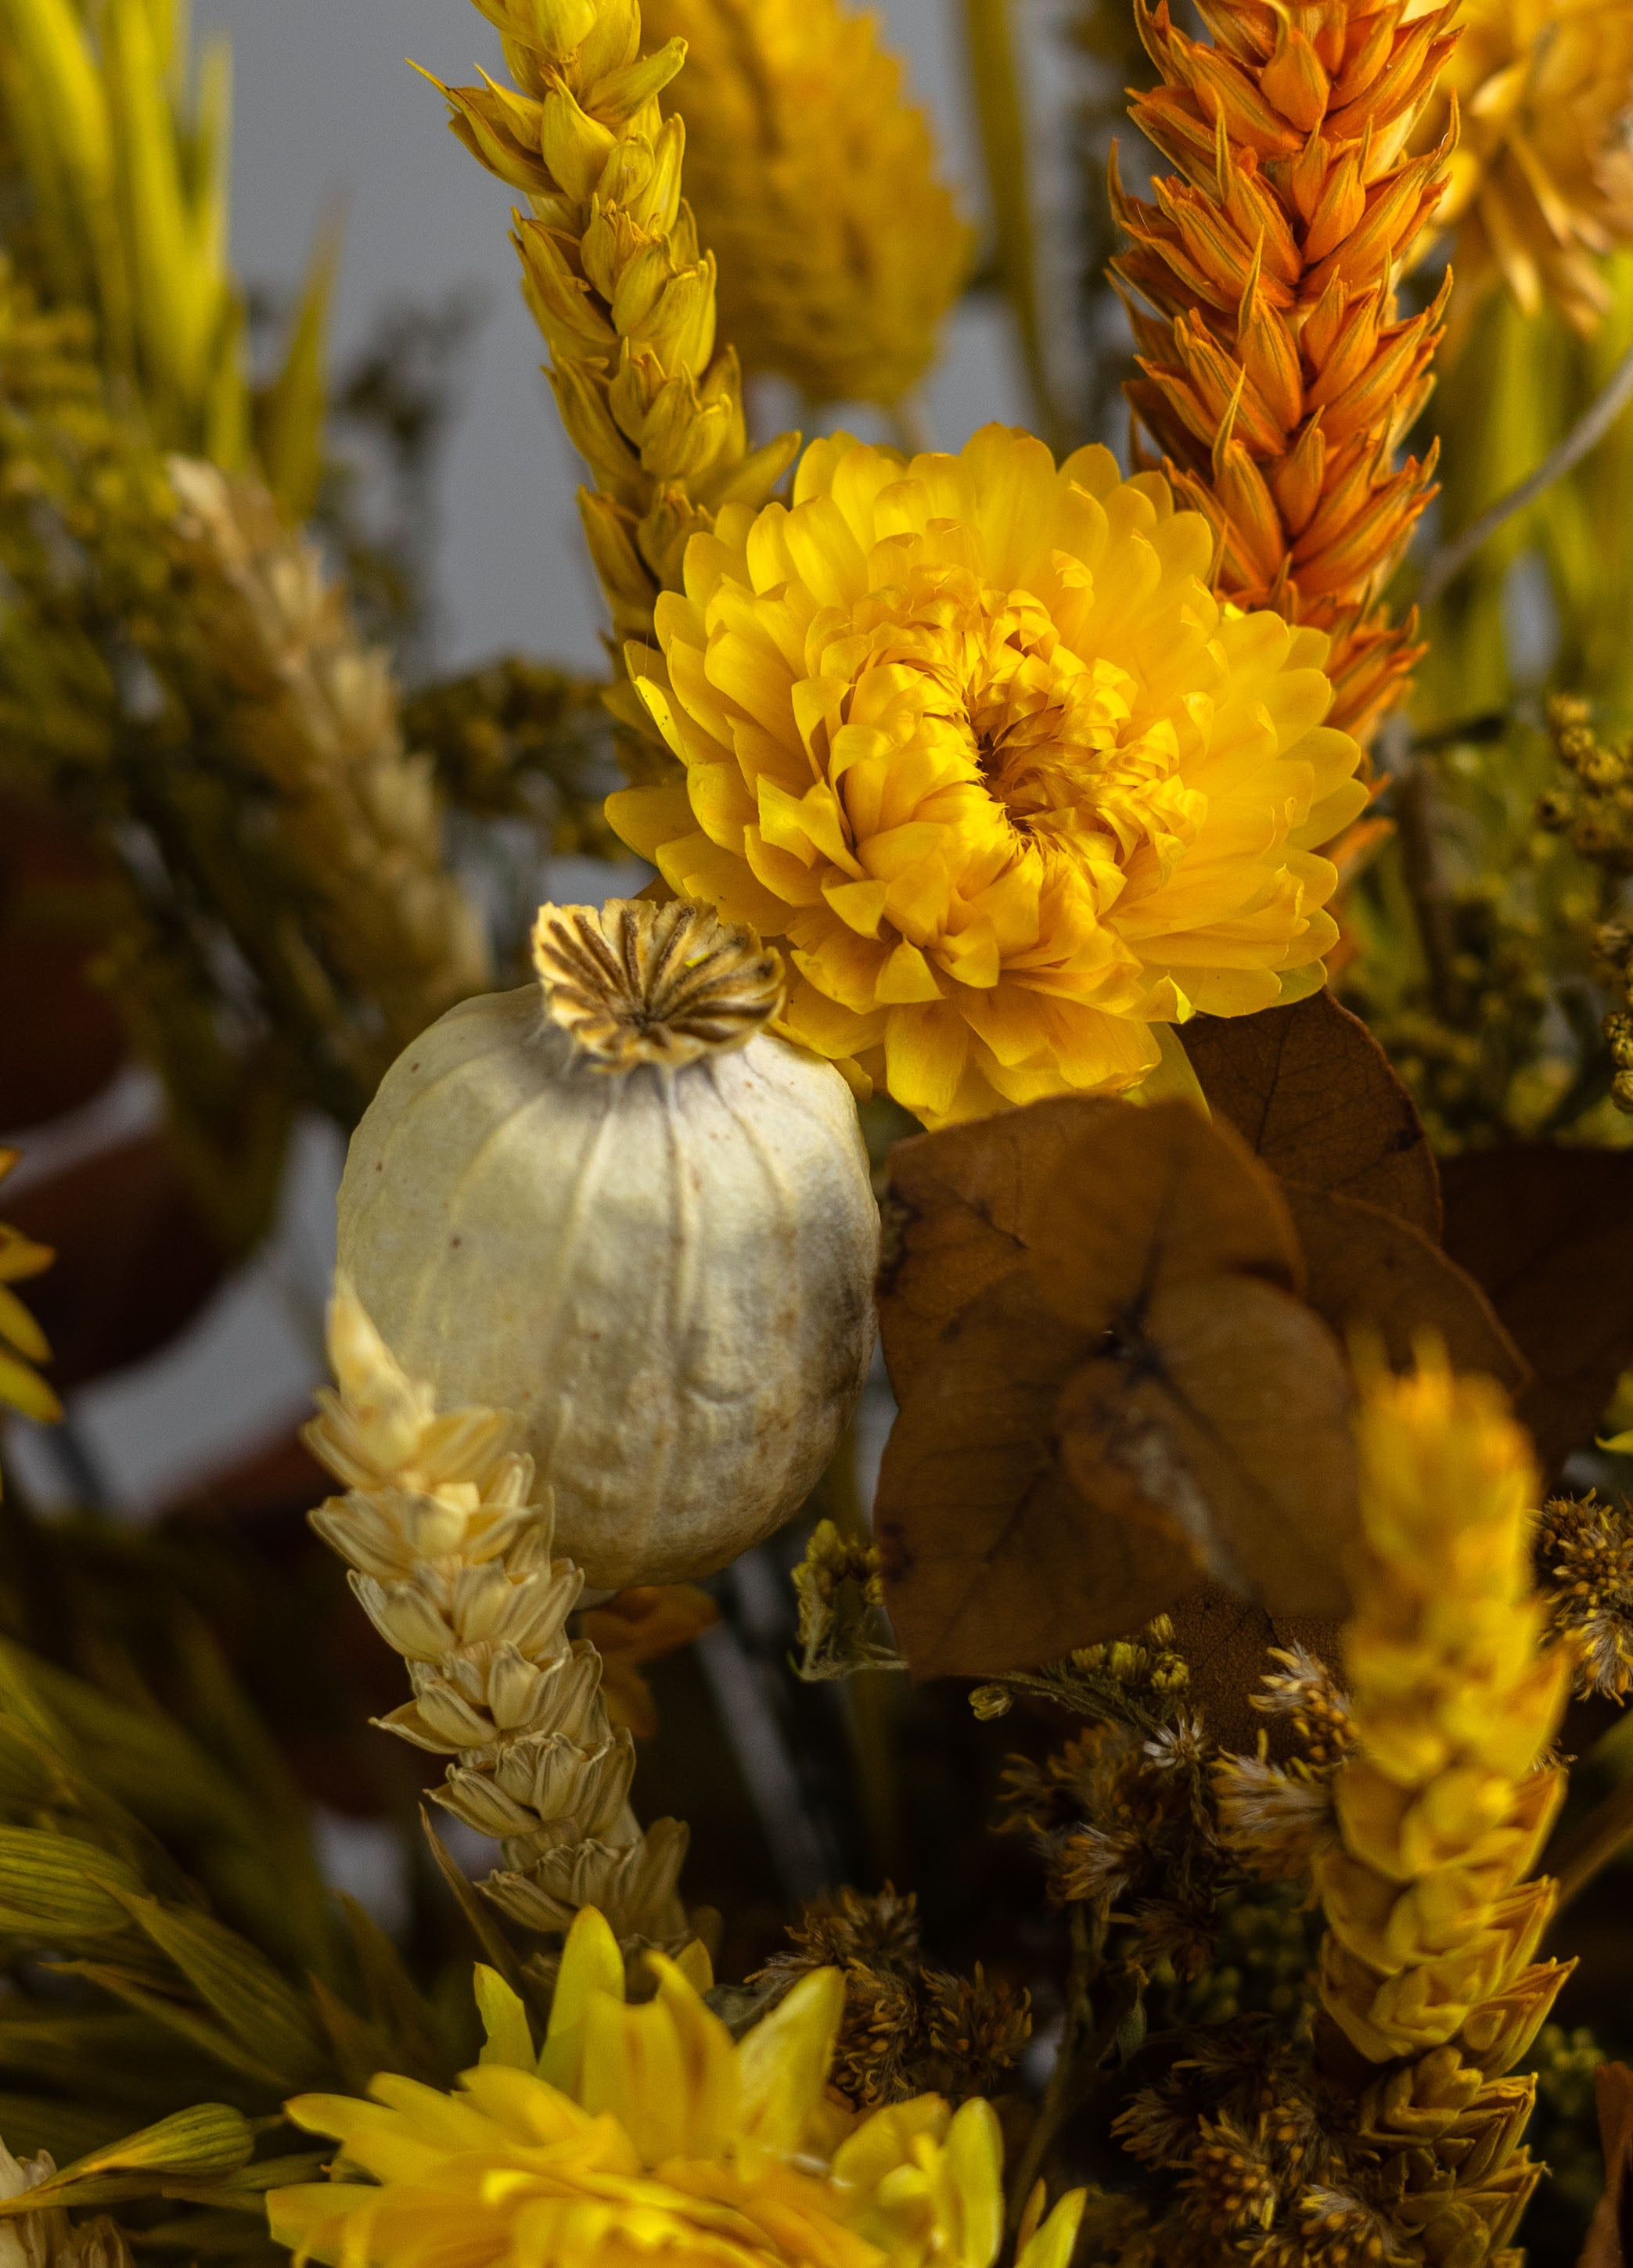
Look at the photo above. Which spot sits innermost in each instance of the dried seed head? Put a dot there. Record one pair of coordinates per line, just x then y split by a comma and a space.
635, 983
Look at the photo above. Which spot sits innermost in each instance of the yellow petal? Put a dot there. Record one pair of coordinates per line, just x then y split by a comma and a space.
508, 2040
783, 2062
590, 1964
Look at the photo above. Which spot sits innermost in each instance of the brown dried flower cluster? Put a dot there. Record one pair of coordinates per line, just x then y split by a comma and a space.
1124, 1823
1586, 1552
909, 2027
1277, 1816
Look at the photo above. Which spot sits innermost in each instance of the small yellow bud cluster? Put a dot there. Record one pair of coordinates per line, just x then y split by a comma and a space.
1443, 1805
841, 1596
1597, 816
612, 272
1148, 1662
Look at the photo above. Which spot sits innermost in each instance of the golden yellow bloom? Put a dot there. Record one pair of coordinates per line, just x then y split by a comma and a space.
1456, 1695
1541, 181
971, 734
22, 1342
646, 2132
815, 184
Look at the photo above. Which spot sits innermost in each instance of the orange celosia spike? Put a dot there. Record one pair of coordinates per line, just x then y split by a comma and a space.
1274, 370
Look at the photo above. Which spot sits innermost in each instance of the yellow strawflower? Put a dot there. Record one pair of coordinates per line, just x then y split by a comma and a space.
22, 1342
1541, 181
646, 2133
816, 185
971, 734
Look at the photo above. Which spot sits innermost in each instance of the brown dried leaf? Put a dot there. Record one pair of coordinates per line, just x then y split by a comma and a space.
1078, 1444
1227, 1643
1228, 1407
990, 1557
953, 1214
1368, 1268
1610, 2239
1313, 1094
1548, 1232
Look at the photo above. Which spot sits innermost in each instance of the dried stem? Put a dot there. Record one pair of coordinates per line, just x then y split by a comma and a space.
1590, 1847
1585, 436
1076, 2064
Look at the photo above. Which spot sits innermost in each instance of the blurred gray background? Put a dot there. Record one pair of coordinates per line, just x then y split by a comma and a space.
330, 112
330, 116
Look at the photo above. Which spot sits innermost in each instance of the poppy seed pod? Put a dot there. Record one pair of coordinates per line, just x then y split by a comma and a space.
616, 1204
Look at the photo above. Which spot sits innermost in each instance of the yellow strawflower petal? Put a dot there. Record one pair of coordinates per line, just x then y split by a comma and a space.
670, 2142
508, 2038
591, 1964
783, 2062
970, 737
1052, 2245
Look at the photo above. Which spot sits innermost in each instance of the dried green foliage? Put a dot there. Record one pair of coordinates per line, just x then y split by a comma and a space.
173, 1963
521, 739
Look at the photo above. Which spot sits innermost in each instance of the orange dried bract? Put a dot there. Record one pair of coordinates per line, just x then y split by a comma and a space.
1274, 371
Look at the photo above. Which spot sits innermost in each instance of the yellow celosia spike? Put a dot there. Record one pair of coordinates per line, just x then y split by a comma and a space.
129, 176
783, 2062
1274, 371
176, 310
591, 1966
508, 2038
57, 111
1444, 1806
1539, 189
